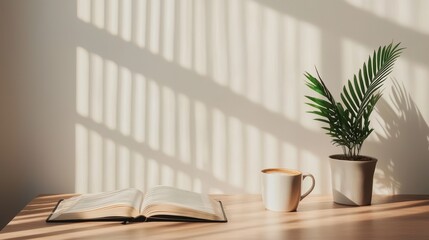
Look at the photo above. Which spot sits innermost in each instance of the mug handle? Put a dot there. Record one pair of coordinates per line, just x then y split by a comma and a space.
313, 182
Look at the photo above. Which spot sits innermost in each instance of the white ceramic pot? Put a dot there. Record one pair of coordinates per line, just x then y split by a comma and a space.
352, 180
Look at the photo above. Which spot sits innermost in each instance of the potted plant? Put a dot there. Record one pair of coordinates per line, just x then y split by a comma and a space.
348, 124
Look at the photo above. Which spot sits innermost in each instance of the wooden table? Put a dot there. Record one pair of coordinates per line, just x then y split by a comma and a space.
394, 217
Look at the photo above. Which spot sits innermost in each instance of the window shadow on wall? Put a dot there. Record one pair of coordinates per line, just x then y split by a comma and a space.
188, 93
402, 149
201, 94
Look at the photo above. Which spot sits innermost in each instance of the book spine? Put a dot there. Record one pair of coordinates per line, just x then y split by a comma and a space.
136, 219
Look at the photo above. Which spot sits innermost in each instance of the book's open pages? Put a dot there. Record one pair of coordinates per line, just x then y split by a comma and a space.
160, 203
122, 203
169, 201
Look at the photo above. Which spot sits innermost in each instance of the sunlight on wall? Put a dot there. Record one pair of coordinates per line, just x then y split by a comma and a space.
98, 13
410, 14
126, 20
96, 88
140, 23
413, 75
185, 29
81, 171
111, 97
152, 171
168, 122
95, 172
109, 165
154, 116
236, 51
353, 55
168, 175
123, 166
237, 48
139, 127
139, 110
112, 17
219, 147
139, 179
82, 87
253, 61
309, 163
309, 46
168, 27
380, 187
270, 155
125, 86
154, 26
84, 10
290, 67
400, 125
270, 60
184, 181
200, 38
254, 158
236, 152
201, 136
290, 156
420, 75
184, 129
219, 48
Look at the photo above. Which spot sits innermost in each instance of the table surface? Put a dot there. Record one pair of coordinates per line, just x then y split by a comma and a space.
317, 217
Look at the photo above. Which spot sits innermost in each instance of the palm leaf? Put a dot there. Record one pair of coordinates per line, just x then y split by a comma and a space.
348, 121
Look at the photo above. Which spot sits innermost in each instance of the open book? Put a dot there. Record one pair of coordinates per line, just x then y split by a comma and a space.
161, 203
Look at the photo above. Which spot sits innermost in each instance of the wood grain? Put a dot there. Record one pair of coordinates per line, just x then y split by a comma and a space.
317, 217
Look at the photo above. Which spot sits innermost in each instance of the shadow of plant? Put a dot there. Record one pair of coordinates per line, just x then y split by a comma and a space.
404, 131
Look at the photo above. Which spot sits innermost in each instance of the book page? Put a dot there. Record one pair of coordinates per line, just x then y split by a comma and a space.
164, 200
90, 204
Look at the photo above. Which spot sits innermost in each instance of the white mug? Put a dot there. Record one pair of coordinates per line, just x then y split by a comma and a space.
281, 188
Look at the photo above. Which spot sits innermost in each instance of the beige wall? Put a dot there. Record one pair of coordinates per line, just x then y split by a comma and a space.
99, 95
37, 84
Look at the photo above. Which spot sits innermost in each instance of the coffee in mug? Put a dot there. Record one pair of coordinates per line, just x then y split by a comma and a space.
281, 188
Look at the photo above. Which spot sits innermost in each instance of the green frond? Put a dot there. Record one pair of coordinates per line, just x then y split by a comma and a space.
348, 121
